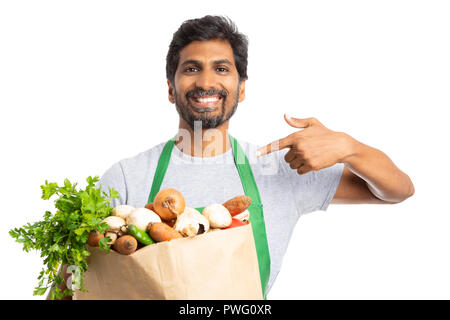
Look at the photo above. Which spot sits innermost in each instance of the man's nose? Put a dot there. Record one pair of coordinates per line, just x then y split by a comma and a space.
206, 80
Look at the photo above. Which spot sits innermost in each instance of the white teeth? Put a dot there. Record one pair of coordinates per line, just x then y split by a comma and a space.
205, 100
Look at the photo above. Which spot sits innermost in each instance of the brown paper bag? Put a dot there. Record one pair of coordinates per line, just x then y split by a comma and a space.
217, 265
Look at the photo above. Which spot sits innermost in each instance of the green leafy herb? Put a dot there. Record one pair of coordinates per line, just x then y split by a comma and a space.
61, 237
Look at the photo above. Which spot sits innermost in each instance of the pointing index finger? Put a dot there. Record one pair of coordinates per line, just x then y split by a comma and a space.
274, 146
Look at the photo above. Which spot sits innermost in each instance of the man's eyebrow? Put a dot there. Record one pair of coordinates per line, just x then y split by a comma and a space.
191, 62
197, 62
223, 61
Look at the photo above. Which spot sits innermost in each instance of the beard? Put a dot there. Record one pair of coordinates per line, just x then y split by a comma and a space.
208, 121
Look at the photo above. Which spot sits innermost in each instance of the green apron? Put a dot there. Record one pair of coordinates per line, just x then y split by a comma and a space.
250, 189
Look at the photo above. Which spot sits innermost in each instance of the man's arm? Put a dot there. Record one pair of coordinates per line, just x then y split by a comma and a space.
369, 175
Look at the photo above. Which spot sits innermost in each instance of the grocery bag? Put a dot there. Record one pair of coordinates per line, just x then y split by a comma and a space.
223, 264
216, 265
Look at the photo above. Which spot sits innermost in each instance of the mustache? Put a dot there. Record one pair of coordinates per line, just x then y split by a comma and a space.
199, 92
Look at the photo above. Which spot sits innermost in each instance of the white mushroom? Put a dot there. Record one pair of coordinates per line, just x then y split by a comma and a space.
141, 217
243, 216
122, 211
112, 236
191, 223
217, 215
115, 227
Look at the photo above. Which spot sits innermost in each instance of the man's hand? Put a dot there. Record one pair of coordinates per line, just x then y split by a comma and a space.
369, 175
313, 148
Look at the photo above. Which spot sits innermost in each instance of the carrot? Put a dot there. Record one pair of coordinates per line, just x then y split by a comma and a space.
238, 204
159, 231
126, 245
94, 238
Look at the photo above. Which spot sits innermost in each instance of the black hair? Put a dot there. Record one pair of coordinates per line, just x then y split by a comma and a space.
208, 28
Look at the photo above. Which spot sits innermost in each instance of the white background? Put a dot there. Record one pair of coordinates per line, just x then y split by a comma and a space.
82, 85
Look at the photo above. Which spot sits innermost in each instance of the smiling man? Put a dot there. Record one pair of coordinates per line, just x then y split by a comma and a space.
212, 106
206, 72
206, 78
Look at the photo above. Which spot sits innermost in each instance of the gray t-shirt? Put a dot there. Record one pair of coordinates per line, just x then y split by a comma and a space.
285, 194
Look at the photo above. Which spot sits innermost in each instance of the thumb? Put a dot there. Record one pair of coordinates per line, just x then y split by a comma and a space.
298, 123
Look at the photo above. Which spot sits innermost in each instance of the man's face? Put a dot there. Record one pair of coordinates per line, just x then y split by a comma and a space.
206, 84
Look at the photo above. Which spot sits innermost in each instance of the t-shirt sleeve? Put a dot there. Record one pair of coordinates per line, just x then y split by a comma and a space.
114, 178
315, 190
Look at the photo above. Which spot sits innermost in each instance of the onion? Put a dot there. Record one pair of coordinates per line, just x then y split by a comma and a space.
169, 203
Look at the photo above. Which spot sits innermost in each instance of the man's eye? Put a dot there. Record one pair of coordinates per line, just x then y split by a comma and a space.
190, 69
222, 69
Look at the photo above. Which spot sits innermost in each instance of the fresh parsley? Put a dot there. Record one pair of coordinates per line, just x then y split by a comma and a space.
61, 237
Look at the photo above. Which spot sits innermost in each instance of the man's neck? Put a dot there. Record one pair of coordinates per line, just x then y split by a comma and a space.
200, 142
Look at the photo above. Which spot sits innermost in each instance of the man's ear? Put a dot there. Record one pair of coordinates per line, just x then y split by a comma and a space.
242, 91
171, 91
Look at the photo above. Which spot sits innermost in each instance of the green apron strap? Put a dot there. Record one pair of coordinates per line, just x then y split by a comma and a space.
250, 189
161, 169
256, 213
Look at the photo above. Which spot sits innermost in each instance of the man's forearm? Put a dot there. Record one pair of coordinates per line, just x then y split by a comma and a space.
383, 178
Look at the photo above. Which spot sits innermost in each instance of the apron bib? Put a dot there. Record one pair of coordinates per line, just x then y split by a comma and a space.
250, 189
